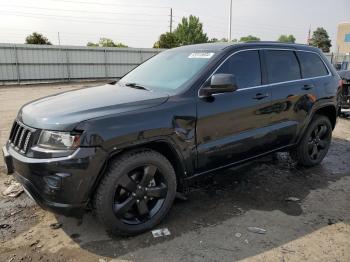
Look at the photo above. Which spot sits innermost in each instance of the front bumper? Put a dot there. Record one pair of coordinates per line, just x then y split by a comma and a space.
61, 185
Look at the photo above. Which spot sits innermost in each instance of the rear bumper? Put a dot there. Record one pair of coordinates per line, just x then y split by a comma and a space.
345, 102
345, 99
61, 185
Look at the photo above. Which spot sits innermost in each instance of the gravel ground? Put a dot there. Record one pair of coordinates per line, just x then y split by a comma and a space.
212, 225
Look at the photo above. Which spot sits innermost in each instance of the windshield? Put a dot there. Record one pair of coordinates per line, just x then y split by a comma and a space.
169, 70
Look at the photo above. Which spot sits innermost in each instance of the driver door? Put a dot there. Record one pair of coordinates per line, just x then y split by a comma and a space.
234, 126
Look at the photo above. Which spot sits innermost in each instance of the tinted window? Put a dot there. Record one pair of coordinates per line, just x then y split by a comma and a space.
245, 66
282, 66
311, 65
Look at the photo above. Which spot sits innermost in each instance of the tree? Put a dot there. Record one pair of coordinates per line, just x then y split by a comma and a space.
286, 39
167, 40
320, 39
37, 39
91, 44
120, 45
190, 31
215, 40
249, 38
106, 42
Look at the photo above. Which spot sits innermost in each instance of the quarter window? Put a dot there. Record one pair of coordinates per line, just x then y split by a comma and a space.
245, 66
311, 65
282, 66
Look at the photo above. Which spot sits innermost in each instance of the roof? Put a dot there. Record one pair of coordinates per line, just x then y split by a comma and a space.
224, 45
206, 46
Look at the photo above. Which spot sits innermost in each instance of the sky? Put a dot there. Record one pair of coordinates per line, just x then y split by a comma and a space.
138, 23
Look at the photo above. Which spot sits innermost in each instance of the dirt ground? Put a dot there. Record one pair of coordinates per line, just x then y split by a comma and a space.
212, 225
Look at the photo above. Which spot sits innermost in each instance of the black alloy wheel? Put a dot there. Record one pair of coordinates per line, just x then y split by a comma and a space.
318, 141
315, 142
140, 194
136, 192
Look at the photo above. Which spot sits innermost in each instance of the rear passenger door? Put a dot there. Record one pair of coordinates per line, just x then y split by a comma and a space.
292, 94
312, 67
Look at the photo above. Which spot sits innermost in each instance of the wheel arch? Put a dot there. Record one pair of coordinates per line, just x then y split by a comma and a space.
161, 146
329, 111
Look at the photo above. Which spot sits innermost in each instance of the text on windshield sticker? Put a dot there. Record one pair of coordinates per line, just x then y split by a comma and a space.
201, 55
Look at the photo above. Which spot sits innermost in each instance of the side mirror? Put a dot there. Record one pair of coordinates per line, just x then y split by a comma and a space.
219, 83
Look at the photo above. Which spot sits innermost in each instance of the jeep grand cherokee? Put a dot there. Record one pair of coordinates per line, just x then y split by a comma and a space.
126, 148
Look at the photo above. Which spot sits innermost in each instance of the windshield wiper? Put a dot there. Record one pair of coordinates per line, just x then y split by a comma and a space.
137, 86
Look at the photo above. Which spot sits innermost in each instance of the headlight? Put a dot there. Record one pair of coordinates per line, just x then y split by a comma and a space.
58, 140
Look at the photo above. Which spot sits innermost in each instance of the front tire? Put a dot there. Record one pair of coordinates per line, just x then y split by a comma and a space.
315, 143
136, 192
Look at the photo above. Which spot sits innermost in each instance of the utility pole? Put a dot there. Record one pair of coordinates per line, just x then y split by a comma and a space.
230, 23
59, 50
171, 20
309, 36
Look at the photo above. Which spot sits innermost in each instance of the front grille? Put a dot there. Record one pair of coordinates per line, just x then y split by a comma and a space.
21, 137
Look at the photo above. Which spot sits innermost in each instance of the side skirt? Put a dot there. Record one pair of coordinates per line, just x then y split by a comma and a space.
237, 163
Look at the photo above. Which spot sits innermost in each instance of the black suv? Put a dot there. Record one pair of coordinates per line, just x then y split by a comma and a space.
126, 148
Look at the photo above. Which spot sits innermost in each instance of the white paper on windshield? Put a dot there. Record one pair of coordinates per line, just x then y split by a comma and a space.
201, 55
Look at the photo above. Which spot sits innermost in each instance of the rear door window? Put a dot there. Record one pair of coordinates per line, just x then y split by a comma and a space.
311, 65
245, 66
282, 66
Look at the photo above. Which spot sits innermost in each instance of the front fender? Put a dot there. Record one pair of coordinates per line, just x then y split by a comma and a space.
173, 123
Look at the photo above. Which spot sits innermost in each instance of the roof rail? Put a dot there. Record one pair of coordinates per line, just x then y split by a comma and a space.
273, 42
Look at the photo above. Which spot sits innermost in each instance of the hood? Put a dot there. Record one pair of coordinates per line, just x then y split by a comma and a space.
63, 111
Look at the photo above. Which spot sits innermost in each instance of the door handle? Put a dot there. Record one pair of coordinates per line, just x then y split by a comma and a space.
260, 96
308, 86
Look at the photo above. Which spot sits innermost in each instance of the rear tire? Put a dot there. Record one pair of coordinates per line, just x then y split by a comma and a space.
315, 142
136, 192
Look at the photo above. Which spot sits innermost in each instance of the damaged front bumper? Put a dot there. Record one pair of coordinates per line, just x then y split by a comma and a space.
61, 185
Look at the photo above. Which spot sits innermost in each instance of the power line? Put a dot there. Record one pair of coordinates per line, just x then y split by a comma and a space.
67, 33
85, 11
142, 20
260, 25
87, 20
220, 20
253, 28
55, 32
110, 4
77, 19
83, 40
75, 35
